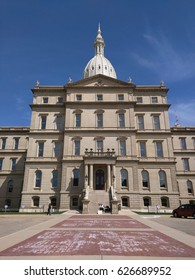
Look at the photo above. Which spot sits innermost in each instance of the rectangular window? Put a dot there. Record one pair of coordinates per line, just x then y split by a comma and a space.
121, 97
78, 97
77, 147
1, 163
183, 143
186, 164
121, 120
45, 100
99, 97
60, 100
100, 145
58, 122
3, 143
122, 147
40, 149
57, 149
140, 122
43, 122
78, 120
139, 100
143, 149
159, 150
55, 179
154, 99
156, 121
99, 120
16, 143
13, 164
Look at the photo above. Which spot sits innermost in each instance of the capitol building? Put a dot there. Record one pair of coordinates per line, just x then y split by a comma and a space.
97, 140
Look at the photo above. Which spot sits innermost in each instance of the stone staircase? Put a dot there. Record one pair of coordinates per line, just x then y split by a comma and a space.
96, 197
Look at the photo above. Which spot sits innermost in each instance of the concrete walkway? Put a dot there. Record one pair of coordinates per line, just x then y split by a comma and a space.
75, 236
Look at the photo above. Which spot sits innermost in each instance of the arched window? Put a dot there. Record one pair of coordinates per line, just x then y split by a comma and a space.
125, 201
8, 202
53, 200
54, 178
165, 201
74, 202
38, 178
75, 177
35, 201
145, 179
147, 201
190, 186
124, 178
162, 179
10, 186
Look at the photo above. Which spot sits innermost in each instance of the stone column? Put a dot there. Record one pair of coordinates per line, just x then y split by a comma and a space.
91, 176
108, 177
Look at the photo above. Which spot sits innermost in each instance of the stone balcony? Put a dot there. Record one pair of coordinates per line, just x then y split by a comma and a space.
99, 153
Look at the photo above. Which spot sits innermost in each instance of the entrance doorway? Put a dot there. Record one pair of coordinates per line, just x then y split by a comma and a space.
99, 179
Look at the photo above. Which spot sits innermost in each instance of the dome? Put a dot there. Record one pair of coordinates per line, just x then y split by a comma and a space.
99, 64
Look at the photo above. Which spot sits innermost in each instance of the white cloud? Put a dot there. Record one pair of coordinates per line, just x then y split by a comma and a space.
170, 63
184, 112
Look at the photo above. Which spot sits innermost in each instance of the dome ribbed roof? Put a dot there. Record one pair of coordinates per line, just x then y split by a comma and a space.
99, 64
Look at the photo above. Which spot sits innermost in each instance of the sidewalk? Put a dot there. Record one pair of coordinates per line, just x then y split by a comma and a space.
75, 236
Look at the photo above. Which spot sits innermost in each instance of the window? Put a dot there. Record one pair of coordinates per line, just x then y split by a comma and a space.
121, 120
3, 143
139, 100
186, 164
60, 100
54, 179
75, 177
16, 143
156, 121
58, 122
162, 179
78, 97
57, 149
1, 163
38, 178
124, 177
154, 99
147, 201
140, 122
35, 200
121, 97
99, 97
122, 144
164, 201
142, 149
74, 202
45, 100
53, 201
13, 164
78, 120
193, 139
183, 143
99, 120
77, 147
189, 187
145, 179
125, 201
43, 122
40, 149
10, 186
159, 150
100, 145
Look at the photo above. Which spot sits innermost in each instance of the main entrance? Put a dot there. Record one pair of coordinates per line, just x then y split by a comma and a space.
99, 179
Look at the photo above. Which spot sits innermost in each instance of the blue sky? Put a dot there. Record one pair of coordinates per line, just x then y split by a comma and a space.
50, 41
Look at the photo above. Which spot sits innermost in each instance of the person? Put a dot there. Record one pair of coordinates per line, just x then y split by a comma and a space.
49, 209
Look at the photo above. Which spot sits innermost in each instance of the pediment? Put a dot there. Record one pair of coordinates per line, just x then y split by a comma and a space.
100, 81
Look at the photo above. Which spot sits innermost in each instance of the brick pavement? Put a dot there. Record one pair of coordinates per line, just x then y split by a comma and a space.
98, 235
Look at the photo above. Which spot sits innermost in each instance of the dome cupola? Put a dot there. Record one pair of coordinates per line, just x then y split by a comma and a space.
99, 64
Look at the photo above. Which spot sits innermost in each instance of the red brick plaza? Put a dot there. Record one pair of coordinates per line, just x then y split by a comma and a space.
105, 235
